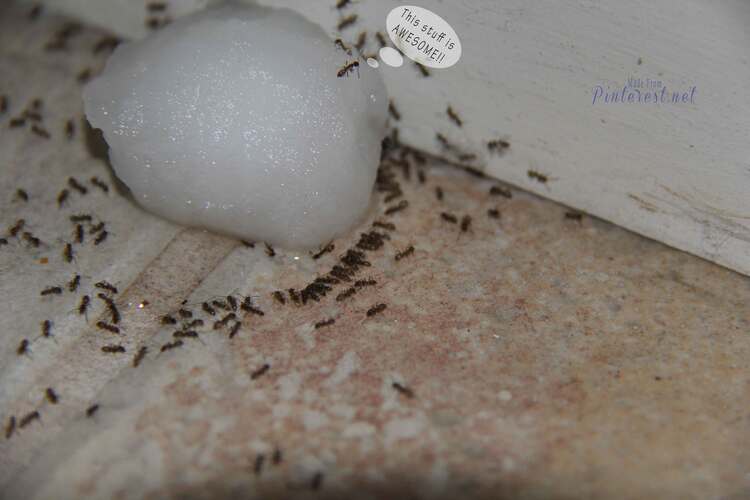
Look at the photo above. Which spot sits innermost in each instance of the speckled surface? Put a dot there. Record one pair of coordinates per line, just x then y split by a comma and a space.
547, 358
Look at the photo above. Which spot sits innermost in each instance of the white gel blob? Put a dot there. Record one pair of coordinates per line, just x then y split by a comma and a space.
234, 119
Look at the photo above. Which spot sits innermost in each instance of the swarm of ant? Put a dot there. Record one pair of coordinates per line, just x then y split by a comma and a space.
344, 273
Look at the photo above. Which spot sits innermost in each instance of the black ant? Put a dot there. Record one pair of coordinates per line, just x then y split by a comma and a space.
207, 308
106, 326
393, 111
102, 236
501, 191
258, 465
449, 217
465, 223
113, 349
397, 208
100, 184
327, 322
105, 285
171, 345
46, 328
168, 320
533, 174
403, 390
260, 371
350, 66
235, 329
68, 253
51, 396
376, 310
279, 296
347, 21
454, 116
62, 197
83, 306
70, 129
10, 428
28, 418
73, 183
346, 294
40, 131
326, 249
139, 356
23, 347
405, 253
16, 228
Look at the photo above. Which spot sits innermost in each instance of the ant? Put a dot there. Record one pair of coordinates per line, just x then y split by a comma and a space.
498, 145
279, 296
168, 320
79, 233
403, 390
73, 183
346, 294
235, 329
112, 349
102, 236
260, 371
46, 328
62, 197
533, 174
376, 310
16, 228
405, 253
393, 111
340, 43
10, 428
28, 418
171, 345
106, 326
347, 21
350, 66
68, 253
139, 356
453, 116
51, 396
501, 191
207, 308
105, 285
258, 465
397, 208
327, 322
326, 249
23, 347
449, 217
83, 306
70, 129
100, 184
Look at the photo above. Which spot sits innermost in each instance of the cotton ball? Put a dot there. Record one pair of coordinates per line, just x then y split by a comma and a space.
234, 119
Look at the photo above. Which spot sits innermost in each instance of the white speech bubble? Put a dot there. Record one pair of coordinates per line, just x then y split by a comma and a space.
423, 36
